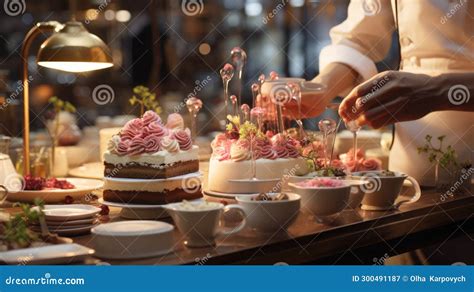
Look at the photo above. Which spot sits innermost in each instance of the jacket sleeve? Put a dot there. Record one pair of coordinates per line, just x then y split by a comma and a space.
362, 39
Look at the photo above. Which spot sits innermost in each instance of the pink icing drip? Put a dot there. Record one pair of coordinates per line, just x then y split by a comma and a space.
150, 117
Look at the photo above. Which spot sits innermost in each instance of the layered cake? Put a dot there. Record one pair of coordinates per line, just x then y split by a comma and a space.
150, 162
275, 157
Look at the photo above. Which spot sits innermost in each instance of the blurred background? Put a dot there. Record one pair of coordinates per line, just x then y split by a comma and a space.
175, 48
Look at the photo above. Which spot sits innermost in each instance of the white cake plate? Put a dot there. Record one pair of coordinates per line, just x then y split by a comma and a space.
139, 211
221, 195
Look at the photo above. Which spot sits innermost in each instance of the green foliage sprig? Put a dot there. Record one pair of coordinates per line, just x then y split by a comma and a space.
16, 233
445, 157
145, 98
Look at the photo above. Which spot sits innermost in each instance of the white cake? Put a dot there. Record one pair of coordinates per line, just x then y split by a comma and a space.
231, 161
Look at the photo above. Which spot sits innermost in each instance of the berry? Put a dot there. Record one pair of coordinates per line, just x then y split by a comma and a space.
104, 210
68, 200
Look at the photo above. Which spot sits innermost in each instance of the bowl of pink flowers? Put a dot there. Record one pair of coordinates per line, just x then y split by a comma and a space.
322, 196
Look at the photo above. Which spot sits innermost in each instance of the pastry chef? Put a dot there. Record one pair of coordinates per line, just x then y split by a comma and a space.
432, 93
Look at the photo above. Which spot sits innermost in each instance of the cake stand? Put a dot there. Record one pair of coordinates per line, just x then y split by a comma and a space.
138, 212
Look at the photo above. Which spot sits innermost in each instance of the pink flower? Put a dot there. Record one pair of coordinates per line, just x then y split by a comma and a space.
152, 143
370, 164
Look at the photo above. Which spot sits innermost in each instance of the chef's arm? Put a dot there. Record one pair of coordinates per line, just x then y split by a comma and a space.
455, 92
356, 44
394, 96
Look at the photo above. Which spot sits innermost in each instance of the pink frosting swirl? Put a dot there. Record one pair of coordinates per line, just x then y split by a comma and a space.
280, 150
137, 146
221, 153
122, 147
239, 150
370, 164
219, 141
292, 146
155, 129
150, 117
175, 121
152, 143
132, 129
169, 144
184, 139
268, 153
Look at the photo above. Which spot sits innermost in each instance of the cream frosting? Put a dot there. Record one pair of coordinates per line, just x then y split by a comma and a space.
157, 158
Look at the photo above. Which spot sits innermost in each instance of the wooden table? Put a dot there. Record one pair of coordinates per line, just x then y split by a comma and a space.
355, 237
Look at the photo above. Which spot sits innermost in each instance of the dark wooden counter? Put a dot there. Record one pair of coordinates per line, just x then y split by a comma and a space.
355, 236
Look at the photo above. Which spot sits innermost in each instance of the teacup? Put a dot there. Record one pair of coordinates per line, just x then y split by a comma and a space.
383, 190
200, 222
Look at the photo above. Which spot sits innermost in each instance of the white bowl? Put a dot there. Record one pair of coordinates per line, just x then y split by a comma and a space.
323, 201
132, 239
270, 216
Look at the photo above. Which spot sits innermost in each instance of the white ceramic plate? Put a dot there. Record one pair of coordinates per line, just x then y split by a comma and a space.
83, 187
47, 255
70, 223
69, 230
94, 170
62, 213
223, 195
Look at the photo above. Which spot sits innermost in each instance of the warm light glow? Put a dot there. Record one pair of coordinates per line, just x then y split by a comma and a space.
76, 66
123, 15
109, 15
204, 48
91, 14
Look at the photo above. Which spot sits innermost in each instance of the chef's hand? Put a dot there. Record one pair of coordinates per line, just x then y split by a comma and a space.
391, 97
336, 78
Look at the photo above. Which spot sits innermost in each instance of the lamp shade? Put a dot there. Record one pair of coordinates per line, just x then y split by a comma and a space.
74, 49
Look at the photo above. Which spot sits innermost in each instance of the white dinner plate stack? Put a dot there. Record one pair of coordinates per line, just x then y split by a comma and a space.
70, 220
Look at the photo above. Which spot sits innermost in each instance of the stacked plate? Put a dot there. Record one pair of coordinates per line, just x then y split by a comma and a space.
70, 220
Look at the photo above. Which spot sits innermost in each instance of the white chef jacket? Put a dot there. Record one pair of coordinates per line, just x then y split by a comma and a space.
436, 36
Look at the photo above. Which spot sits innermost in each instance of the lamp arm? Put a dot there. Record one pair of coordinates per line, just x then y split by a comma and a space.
39, 28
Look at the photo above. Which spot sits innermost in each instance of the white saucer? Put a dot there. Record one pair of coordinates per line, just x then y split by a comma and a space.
69, 212
223, 195
139, 211
51, 254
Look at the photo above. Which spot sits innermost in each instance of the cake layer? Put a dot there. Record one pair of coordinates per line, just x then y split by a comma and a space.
220, 172
188, 181
157, 159
151, 198
134, 170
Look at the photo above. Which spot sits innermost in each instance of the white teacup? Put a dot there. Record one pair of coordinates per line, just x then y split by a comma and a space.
382, 191
200, 221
